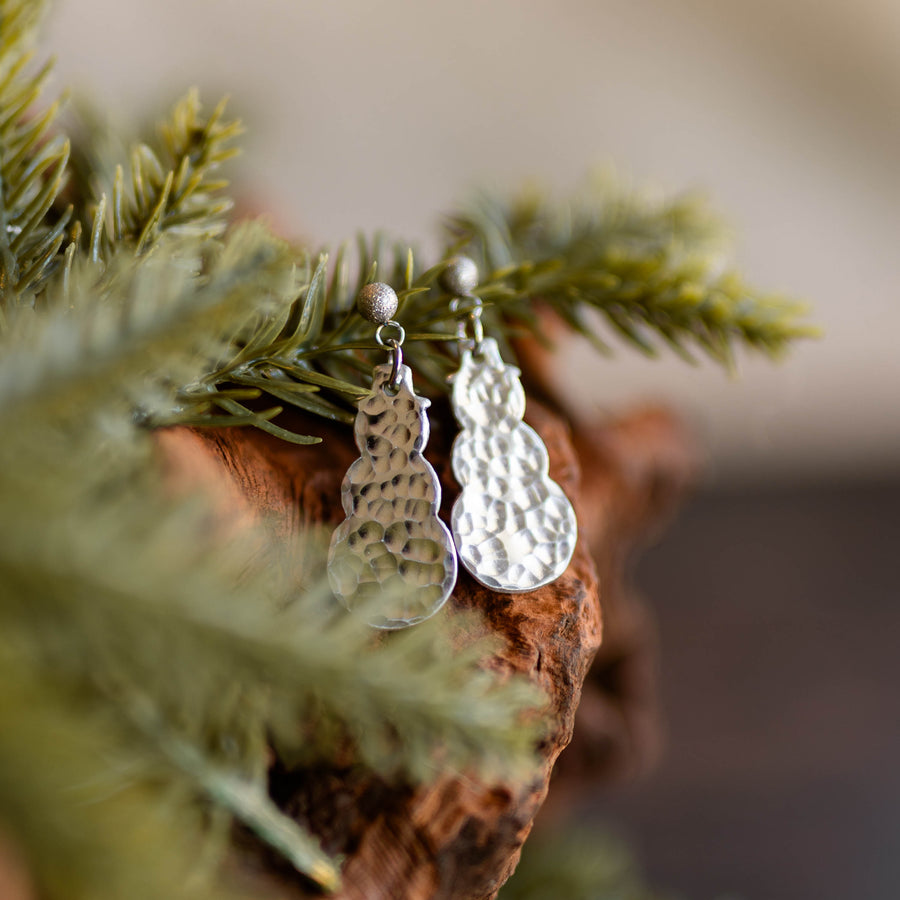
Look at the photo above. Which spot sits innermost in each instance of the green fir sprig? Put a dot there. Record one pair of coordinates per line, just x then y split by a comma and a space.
171, 188
33, 159
651, 272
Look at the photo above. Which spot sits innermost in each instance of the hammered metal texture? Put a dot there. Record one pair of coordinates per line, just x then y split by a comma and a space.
392, 555
514, 528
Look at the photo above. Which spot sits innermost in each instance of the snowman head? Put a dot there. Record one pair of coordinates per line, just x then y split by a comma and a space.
391, 419
487, 393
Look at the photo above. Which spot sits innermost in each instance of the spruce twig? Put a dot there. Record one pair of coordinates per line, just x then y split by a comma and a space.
655, 271
83, 804
32, 163
172, 188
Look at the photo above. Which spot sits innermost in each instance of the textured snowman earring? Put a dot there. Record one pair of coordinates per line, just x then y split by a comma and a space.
392, 555
513, 527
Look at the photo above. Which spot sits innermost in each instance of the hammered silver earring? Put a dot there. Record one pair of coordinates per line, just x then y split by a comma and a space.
513, 527
392, 557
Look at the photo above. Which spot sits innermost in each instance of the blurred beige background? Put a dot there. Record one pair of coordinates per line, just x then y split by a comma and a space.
787, 112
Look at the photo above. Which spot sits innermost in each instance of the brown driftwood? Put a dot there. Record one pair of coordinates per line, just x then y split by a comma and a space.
460, 837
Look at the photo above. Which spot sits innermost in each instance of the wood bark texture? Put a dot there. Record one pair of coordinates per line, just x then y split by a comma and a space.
460, 837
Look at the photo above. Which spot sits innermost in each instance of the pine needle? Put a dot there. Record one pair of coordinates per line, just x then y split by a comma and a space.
32, 163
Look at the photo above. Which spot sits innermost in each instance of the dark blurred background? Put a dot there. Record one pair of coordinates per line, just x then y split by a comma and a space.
775, 591
779, 626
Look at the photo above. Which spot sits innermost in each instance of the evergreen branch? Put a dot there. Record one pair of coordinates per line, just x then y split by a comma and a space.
246, 800
67, 762
250, 805
32, 163
309, 357
655, 272
140, 313
651, 273
82, 803
171, 188
139, 582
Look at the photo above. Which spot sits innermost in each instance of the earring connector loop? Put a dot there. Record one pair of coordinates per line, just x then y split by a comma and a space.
395, 344
470, 320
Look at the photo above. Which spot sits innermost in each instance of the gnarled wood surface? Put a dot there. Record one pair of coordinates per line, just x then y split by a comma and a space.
461, 837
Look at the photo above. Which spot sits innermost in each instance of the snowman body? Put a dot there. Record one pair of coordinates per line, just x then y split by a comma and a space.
392, 557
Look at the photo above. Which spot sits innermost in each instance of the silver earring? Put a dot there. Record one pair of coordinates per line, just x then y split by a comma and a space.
392, 556
513, 526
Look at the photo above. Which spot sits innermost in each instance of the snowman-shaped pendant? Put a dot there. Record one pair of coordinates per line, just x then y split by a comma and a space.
513, 526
